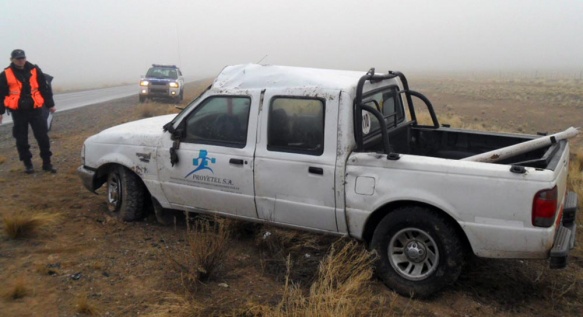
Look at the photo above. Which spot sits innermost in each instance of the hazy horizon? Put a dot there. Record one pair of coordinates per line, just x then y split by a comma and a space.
99, 43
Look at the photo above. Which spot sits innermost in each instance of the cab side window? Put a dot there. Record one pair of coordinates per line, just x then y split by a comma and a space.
296, 125
219, 120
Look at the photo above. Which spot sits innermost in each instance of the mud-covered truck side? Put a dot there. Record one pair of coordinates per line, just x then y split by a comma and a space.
345, 153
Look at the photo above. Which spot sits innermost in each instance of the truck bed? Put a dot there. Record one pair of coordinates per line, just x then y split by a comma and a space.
450, 143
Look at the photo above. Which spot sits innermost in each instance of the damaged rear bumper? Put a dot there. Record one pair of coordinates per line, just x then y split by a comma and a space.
565, 237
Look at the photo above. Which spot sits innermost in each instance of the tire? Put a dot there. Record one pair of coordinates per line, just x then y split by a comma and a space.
142, 99
125, 194
419, 252
164, 217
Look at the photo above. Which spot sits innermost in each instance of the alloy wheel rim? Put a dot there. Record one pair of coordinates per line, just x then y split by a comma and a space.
413, 254
113, 192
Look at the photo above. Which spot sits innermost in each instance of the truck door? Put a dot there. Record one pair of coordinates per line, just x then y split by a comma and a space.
295, 159
215, 157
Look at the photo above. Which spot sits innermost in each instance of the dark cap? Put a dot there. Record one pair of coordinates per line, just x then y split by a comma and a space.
17, 54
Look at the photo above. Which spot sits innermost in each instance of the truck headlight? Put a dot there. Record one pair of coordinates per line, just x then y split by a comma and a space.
144, 83
174, 85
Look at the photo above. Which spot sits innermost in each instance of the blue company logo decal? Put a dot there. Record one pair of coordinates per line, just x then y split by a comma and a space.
201, 163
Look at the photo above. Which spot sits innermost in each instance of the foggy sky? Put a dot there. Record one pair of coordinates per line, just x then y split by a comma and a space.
100, 42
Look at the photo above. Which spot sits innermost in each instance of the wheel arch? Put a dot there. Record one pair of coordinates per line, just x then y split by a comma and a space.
101, 173
100, 179
109, 162
375, 218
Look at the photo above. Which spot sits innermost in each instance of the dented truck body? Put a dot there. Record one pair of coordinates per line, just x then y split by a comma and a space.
343, 152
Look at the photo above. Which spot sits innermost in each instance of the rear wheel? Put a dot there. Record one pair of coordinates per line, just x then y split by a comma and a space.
125, 194
419, 251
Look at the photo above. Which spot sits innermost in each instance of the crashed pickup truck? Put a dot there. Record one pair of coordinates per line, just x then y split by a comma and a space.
345, 153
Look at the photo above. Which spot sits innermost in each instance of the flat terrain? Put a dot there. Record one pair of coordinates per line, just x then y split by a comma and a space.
89, 263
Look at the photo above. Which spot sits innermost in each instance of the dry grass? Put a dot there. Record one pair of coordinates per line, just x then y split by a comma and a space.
567, 92
207, 244
16, 290
303, 249
84, 306
176, 306
148, 110
2, 159
576, 184
98, 265
48, 269
342, 288
23, 224
458, 122
576, 174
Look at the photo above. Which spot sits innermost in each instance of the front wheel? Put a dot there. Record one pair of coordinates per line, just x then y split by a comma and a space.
419, 251
125, 194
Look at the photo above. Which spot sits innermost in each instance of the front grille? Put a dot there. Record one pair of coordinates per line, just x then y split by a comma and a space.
158, 91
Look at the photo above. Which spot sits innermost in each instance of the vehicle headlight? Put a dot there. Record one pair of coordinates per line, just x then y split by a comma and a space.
174, 85
144, 83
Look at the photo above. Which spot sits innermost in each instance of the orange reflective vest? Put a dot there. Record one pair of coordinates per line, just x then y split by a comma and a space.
15, 88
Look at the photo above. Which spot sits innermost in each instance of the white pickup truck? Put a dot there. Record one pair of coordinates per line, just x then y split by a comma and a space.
343, 152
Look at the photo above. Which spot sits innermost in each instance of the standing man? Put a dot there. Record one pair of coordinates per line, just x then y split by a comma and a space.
24, 91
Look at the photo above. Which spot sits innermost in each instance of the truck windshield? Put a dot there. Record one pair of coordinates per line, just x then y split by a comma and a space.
158, 72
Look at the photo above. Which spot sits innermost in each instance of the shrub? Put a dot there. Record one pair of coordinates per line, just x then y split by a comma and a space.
342, 288
22, 224
207, 243
16, 290
84, 306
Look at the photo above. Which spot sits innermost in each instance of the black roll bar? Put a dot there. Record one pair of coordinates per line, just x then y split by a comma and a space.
359, 106
386, 144
421, 96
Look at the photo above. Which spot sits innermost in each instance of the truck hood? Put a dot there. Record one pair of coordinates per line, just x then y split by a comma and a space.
145, 132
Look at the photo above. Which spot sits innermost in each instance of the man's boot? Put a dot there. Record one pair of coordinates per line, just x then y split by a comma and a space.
48, 167
28, 169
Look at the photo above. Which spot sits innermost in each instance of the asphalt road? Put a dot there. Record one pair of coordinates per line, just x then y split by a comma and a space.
72, 100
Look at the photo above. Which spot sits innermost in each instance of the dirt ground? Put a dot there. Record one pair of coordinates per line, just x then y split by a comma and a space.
123, 269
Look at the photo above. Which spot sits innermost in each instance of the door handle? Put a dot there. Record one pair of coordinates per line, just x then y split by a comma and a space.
316, 170
236, 161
